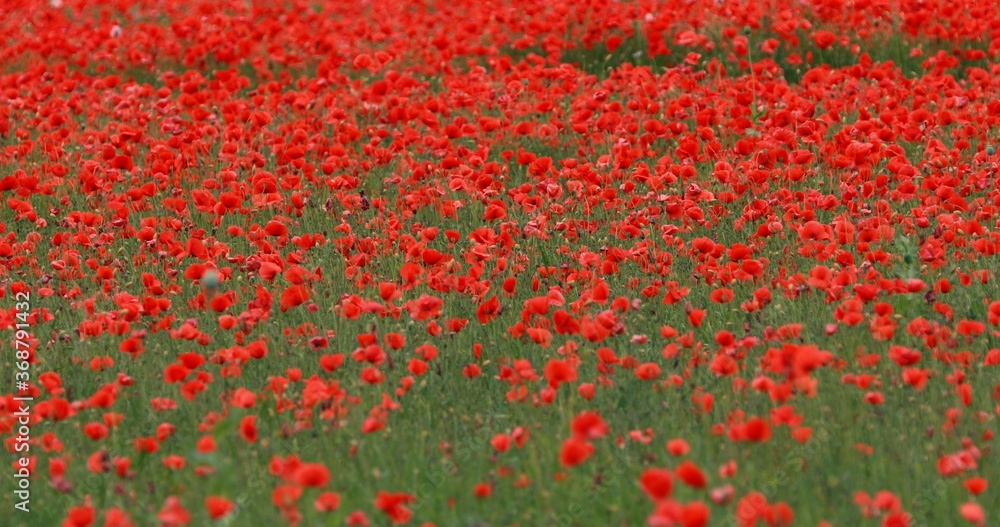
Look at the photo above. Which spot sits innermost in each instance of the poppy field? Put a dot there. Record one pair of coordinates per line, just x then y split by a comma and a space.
483, 263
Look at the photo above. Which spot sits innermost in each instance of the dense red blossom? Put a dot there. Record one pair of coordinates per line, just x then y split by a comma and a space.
501, 262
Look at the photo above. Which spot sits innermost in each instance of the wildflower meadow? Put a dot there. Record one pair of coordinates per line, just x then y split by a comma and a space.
499, 263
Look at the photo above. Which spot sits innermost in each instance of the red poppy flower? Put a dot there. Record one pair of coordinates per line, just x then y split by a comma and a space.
575, 451
394, 506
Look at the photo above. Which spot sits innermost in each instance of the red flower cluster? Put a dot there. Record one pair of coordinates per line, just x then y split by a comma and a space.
327, 237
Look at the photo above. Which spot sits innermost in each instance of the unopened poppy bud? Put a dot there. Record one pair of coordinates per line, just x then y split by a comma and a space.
210, 279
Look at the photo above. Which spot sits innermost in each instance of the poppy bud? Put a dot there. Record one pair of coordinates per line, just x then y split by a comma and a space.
210, 279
